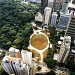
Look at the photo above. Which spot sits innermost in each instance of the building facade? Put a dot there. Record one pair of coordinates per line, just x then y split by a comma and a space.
64, 49
44, 4
47, 15
58, 5
64, 20
54, 19
13, 64
51, 3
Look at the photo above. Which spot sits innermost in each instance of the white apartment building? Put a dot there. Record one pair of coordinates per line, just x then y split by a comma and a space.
47, 15
27, 57
14, 64
64, 49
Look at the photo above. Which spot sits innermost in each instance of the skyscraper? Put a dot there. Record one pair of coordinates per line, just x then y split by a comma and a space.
17, 65
64, 49
65, 7
54, 19
44, 4
51, 3
70, 31
47, 13
58, 5
64, 20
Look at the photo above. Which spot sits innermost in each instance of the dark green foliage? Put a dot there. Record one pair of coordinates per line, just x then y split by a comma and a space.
72, 73
54, 38
15, 26
3, 73
2, 54
50, 62
71, 64
51, 73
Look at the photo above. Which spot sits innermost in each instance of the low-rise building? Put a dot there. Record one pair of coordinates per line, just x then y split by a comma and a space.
61, 71
39, 17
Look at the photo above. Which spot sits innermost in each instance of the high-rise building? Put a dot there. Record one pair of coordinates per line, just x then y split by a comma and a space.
65, 7
47, 15
71, 28
54, 19
27, 57
44, 4
64, 20
64, 49
13, 64
51, 3
58, 5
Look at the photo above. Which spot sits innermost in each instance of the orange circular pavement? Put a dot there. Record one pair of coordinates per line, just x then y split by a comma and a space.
39, 41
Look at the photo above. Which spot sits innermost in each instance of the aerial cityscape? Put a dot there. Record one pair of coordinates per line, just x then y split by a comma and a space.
37, 37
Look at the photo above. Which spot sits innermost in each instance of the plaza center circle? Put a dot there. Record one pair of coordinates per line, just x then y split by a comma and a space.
39, 41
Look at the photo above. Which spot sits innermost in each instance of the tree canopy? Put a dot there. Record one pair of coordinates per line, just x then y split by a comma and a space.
15, 23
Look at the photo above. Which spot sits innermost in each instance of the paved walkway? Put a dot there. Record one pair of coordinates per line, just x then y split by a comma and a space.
37, 50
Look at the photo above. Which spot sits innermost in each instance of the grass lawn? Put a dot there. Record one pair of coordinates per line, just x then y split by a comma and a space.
39, 41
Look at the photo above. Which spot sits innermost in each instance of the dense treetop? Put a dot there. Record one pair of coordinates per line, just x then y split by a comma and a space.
15, 26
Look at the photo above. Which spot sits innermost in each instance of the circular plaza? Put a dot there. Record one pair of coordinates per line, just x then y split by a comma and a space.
39, 44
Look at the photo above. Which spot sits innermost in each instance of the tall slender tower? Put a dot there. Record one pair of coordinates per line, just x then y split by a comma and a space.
47, 13
44, 4
65, 6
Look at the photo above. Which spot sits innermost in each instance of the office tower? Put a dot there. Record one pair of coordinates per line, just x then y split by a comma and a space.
54, 19
71, 28
47, 13
44, 4
58, 5
64, 49
51, 3
64, 20
65, 7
